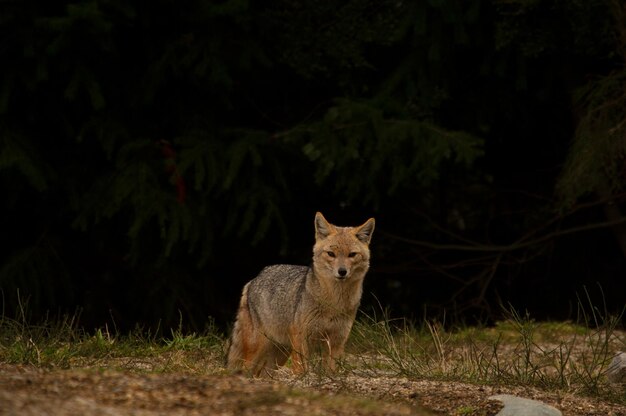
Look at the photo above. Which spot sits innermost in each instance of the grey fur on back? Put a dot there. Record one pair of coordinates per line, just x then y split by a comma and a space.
277, 291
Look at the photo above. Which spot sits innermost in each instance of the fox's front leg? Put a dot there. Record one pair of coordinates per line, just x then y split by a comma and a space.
300, 352
299, 362
332, 352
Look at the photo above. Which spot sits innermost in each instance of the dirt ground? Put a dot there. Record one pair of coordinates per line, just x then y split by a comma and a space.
31, 391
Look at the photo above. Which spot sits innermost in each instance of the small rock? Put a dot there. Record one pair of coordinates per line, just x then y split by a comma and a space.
616, 373
518, 406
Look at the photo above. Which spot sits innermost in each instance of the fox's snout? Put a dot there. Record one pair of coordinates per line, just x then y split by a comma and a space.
341, 268
342, 273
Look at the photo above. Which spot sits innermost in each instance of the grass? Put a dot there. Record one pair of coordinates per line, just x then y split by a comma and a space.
60, 343
564, 356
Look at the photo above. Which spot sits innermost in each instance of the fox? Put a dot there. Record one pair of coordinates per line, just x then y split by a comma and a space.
295, 311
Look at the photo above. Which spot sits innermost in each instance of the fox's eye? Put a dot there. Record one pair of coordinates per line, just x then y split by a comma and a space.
330, 254
352, 254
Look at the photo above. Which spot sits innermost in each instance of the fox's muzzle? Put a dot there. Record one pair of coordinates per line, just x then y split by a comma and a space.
342, 273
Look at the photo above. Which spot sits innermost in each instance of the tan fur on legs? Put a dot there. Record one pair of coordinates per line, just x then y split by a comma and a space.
300, 351
267, 358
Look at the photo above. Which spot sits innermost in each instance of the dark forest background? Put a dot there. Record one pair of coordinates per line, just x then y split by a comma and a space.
154, 156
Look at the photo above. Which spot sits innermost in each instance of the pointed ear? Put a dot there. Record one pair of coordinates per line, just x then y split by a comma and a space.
322, 227
365, 231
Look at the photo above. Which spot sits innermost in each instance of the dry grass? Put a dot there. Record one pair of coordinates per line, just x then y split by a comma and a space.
517, 352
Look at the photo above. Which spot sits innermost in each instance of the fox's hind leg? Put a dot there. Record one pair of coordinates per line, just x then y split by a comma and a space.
250, 349
243, 342
267, 356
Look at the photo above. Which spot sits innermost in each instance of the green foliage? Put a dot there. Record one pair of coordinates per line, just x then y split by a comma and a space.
595, 161
369, 156
122, 126
529, 26
323, 38
140, 143
17, 153
231, 167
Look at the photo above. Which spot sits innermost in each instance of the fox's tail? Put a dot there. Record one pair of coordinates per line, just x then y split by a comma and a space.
236, 343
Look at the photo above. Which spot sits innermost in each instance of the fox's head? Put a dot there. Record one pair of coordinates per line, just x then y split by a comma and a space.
342, 252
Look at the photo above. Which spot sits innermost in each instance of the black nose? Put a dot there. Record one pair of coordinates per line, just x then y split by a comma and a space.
342, 272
